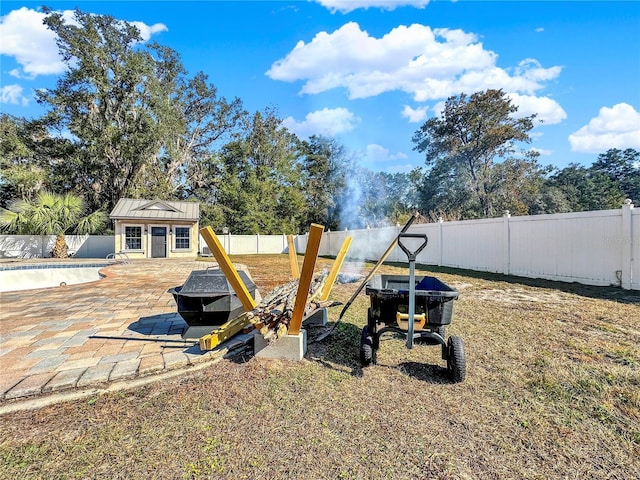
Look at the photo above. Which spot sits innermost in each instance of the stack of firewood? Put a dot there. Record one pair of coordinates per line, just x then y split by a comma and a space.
273, 315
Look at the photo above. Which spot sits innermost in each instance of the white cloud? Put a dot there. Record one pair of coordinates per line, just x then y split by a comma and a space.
531, 69
414, 115
429, 64
615, 127
346, 6
535, 134
377, 154
328, 121
438, 108
16, 73
542, 151
13, 94
24, 37
547, 110
147, 30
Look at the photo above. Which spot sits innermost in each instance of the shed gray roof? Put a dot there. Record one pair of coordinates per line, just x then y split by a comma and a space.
128, 208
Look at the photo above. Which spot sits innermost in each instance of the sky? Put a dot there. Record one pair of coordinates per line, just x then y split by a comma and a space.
371, 72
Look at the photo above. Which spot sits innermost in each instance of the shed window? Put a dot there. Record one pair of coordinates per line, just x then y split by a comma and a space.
182, 237
133, 238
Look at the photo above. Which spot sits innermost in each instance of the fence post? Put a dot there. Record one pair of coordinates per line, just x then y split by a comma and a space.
506, 259
627, 246
440, 241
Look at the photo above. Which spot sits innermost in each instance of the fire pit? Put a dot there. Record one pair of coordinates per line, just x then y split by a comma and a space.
207, 300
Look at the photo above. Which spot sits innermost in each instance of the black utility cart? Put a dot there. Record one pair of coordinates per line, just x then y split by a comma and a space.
418, 309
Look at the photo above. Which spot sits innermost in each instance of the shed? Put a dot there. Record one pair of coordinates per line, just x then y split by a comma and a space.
156, 228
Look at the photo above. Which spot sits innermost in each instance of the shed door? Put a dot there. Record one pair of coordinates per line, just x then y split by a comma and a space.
158, 242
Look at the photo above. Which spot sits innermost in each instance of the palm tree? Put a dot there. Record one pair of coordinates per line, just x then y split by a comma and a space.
51, 214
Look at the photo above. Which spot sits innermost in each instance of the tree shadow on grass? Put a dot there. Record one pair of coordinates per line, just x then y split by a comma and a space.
426, 372
342, 348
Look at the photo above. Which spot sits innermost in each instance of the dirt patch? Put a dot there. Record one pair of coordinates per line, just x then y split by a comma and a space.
519, 296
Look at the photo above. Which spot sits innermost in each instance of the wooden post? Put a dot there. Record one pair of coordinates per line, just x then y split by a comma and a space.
337, 265
227, 267
293, 258
309, 263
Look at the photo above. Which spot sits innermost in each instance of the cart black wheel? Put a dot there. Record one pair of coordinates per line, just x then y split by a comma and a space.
456, 362
442, 331
367, 353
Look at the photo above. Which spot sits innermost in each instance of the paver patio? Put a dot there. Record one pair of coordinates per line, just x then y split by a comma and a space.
121, 327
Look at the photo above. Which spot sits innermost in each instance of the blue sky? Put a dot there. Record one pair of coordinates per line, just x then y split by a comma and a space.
371, 72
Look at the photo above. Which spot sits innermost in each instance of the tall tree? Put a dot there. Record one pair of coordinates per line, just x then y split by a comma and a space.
324, 165
260, 187
210, 121
51, 214
399, 196
518, 185
464, 144
623, 168
20, 175
586, 189
115, 99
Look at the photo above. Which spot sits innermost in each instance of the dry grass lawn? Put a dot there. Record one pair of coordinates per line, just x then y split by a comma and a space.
552, 392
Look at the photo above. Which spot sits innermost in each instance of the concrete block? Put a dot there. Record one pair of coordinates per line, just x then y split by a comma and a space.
95, 375
319, 318
119, 357
126, 369
8, 381
174, 359
64, 380
150, 364
31, 385
75, 341
289, 347
48, 363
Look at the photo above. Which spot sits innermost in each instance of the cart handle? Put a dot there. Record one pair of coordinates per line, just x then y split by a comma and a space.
412, 255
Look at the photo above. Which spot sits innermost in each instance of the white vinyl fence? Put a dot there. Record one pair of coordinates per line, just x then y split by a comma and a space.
99, 246
248, 244
592, 248
40, 246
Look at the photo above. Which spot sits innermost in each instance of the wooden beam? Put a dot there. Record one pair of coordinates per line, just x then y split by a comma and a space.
224, 332
309, 263
335, 269
293, 258
227, 267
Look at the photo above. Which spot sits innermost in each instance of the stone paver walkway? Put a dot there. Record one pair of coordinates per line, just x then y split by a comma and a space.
121, 327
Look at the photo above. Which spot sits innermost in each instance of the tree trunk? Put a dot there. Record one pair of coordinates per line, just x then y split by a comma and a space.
60, 248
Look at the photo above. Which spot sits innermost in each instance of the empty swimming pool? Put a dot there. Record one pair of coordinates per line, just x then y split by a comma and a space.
31, 276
